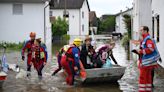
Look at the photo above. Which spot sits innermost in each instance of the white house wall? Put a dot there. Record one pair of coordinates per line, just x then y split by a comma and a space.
73, 19
85, 20
157, 8
120, 28
135, 15
141, 17
48, 33
16, 28
117, 29
120, 24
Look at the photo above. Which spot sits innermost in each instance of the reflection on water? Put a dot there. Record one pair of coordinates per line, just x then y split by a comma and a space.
128, 83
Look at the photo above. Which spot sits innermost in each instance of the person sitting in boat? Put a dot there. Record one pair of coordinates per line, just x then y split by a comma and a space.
86, 54
70, 61
39, 57
104, 53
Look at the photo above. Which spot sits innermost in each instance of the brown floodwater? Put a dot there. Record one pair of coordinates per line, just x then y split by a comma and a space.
128, 83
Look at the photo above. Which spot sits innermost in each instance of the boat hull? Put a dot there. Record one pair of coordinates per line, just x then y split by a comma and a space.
104, 74
3, 77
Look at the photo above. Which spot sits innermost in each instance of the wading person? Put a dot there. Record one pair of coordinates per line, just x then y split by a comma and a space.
27, 46
148, 56
70, 61
39, 58
61, 52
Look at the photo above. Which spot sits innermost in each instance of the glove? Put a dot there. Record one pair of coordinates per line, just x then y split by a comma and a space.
135, 51
23, 58
160, 60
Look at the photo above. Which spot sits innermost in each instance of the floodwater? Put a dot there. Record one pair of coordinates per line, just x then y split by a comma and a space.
17, 82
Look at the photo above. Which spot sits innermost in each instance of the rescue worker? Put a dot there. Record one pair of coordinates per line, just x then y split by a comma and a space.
148, 56
59, 55
70, 61
105, 52
27, 46
86, 53
38, 57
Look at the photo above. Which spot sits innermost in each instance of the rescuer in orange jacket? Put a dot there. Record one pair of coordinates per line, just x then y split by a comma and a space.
70, 61
27, 46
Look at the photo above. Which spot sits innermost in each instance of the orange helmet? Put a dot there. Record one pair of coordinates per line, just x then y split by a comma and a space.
32, 34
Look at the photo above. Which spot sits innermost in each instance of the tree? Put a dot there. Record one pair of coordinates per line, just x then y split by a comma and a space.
127, 36
59, 27
127, 21
107, 25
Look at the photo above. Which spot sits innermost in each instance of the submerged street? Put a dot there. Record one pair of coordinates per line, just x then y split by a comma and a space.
17, 82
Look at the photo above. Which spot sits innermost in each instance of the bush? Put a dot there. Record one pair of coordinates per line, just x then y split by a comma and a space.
66, 37
12, 46
59, 27
125, 40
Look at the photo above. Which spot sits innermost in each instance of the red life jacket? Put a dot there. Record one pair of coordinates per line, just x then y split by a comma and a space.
69, 54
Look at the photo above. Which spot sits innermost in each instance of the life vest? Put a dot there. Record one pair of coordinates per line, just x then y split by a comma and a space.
150, 59
69, 54
45, 50
38, 53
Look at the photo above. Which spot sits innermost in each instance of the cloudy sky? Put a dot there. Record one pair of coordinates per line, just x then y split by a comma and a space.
109, 6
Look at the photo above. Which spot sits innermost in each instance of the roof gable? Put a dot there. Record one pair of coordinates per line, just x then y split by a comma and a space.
22, 1
68, 4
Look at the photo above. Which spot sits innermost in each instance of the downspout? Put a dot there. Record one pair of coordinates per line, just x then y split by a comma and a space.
80, 22
45, 22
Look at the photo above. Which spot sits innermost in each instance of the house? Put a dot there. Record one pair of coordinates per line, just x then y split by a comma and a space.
20, 17
149, 13
157, 22
120, 26
93, 23
75, 11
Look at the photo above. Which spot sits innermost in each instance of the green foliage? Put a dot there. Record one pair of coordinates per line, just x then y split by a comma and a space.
12, 46
109, 23
59, 27
99, 29
125, 43
127, 21
66, 37
125, 40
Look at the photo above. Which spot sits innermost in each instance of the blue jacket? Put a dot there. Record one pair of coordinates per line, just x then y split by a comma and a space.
149, 59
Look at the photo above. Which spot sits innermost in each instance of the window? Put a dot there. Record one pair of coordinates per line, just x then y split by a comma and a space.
65, 14
51, 13
82, 14
17, 9
158, 25
83, 27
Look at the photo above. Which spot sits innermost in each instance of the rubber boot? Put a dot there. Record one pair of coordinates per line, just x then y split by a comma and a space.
40, 78
53, 74
28, 74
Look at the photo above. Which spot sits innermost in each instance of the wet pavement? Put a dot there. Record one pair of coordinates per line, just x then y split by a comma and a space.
17, 82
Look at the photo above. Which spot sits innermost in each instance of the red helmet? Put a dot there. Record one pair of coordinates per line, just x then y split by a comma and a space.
32, 34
